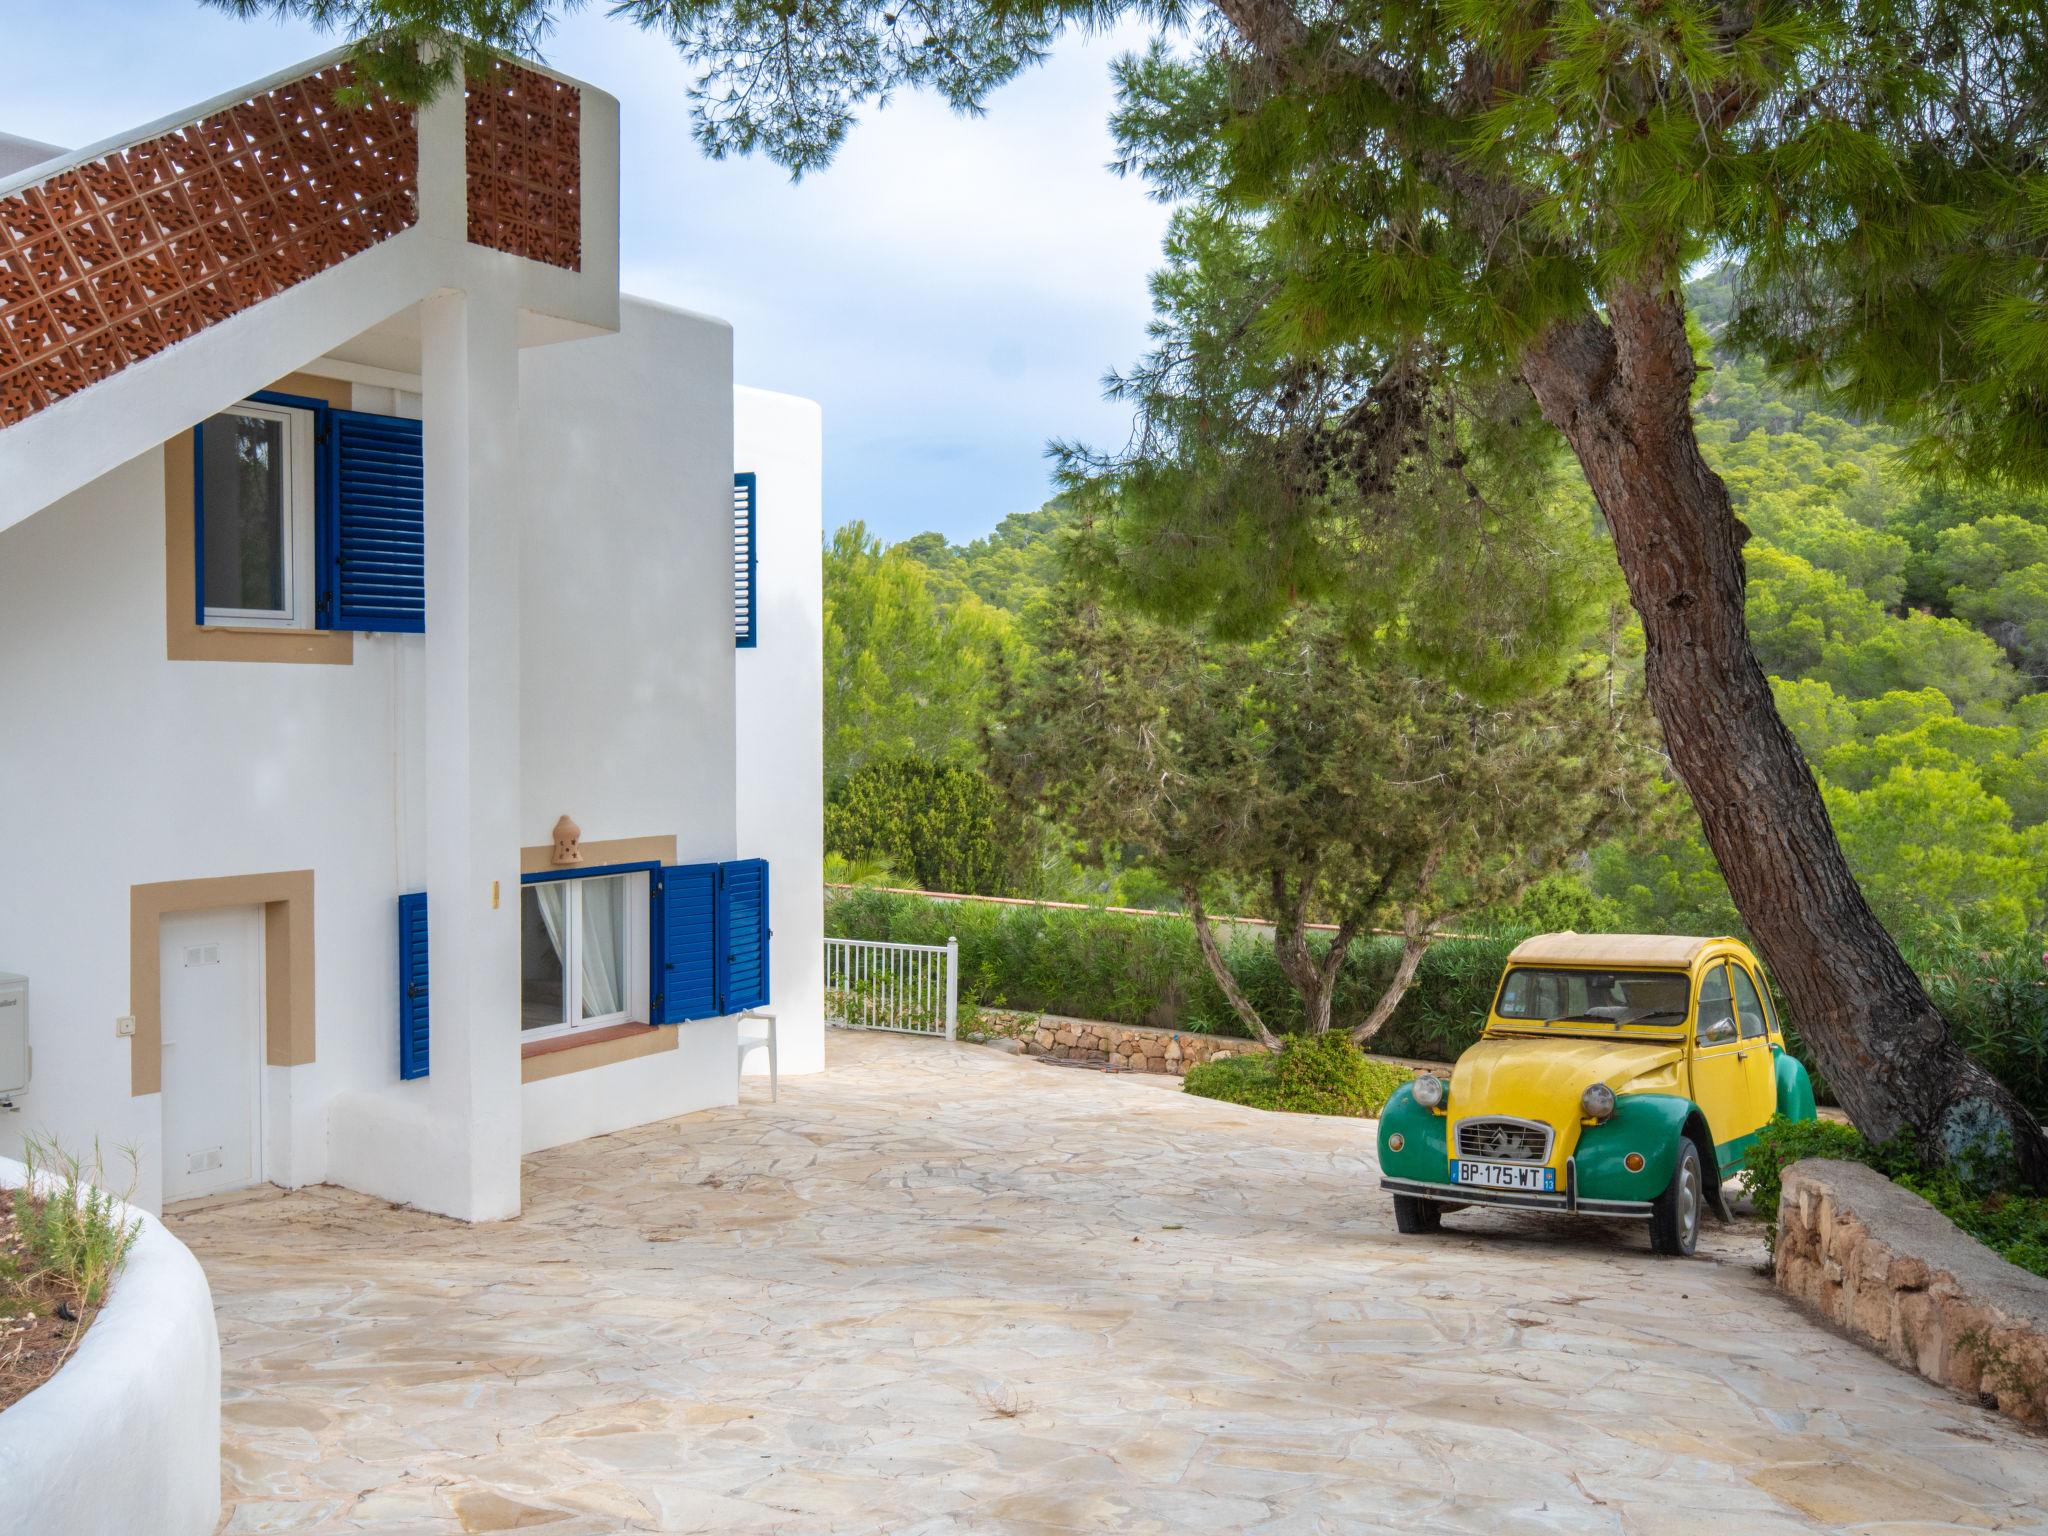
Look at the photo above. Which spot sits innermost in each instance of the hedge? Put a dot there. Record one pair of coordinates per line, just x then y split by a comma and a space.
1124, 969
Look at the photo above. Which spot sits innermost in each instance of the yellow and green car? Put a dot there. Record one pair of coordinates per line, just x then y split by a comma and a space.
1618, 1075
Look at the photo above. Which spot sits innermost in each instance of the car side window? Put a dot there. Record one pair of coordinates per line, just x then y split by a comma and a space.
1749, 1008
1717, 1004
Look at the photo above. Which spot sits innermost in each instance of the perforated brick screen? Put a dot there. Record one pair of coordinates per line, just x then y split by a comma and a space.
117, 259
525, 155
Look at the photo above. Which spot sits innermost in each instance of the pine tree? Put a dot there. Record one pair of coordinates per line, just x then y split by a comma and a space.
1495, 201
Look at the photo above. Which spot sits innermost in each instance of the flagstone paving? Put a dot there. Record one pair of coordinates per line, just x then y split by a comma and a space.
940, 1289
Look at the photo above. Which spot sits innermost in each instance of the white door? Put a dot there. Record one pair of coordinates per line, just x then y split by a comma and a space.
212, 977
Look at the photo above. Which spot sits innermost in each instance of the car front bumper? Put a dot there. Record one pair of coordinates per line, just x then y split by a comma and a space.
1569, 1202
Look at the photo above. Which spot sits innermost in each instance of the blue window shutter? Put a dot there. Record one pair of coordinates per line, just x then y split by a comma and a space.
743, 935
743, 615
412, 984
373, 534
682, 943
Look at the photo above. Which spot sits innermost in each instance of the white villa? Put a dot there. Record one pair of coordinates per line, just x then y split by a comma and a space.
409, 654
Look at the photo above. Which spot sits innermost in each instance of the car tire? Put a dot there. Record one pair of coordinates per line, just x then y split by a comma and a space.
1675, 1214
1416, 1216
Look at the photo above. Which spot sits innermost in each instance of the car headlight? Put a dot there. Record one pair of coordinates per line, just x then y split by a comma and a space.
1597, 1101
1431, 1091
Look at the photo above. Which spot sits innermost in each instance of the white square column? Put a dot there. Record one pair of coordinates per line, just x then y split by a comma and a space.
469, 367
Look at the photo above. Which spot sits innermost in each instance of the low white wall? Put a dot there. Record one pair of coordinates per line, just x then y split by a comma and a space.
700, 1073
126, 1437
779, 705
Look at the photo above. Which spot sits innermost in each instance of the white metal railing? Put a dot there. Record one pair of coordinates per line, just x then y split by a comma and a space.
915, 988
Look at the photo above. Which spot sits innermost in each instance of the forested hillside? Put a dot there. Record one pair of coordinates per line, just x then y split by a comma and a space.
1904, 622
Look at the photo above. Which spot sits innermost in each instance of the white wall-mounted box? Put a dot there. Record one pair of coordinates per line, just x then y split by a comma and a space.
13, 1032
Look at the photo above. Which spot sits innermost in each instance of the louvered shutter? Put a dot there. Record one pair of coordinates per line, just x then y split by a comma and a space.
743, 493
373, 536
683, 942
743, 935
412, 984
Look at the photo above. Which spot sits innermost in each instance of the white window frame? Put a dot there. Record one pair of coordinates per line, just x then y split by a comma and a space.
572, 962
299, 470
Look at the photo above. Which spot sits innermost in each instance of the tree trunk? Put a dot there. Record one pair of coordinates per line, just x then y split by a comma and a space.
1315, 983
1415, 942
1232, 993
1620, 394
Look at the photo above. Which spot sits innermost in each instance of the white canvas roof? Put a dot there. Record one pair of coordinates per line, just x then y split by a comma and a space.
1609, 949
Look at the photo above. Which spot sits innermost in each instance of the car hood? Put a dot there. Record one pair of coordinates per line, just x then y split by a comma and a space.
1542, 1079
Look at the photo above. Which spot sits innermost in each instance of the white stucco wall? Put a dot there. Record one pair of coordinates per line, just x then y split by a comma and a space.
780, 709
121, 767
638, 719
126, 1436
626, 651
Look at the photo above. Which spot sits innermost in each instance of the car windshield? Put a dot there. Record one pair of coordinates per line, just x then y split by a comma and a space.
1594, 997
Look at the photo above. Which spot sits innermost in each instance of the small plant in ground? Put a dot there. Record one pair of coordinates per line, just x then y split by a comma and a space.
1313, 1075
74, 1234
62, 1239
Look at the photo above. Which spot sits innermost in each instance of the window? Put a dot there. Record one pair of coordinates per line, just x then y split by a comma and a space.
582, 953
1567, 996
307, 516
743, 553
1749, 1008
255, 469
1717, 1004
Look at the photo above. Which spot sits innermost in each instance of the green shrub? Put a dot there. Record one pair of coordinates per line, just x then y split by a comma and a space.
2010, 1222
1248, 1080
1784, 1142
1314, 1075
1328, 1075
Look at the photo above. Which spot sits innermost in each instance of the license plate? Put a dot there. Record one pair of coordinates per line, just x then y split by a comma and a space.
1508, 1176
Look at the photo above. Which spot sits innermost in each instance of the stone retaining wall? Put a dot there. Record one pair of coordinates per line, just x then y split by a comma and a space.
1132, 1047
1888, 1268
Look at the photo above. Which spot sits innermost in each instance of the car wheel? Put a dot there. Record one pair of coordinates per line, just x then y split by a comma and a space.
1415, 1215
1675, 1214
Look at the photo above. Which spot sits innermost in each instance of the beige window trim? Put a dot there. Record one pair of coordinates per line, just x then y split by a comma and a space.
185, 638
624, 1042
618, 850
287, 902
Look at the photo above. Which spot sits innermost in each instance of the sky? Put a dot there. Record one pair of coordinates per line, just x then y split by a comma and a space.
950, 290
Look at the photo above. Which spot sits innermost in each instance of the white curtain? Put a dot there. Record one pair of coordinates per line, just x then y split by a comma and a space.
604, 930
604, 927
553, 901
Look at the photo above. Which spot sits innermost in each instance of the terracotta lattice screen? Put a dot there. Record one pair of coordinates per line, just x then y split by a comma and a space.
115, 260
525, 154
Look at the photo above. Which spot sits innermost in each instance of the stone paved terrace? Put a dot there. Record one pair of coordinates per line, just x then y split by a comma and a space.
940, 1289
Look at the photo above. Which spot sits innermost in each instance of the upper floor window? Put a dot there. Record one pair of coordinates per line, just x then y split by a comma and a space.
308, 516
256, 516
744, 488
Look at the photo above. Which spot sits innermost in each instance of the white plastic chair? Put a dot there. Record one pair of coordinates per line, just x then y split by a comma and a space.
756, 1042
